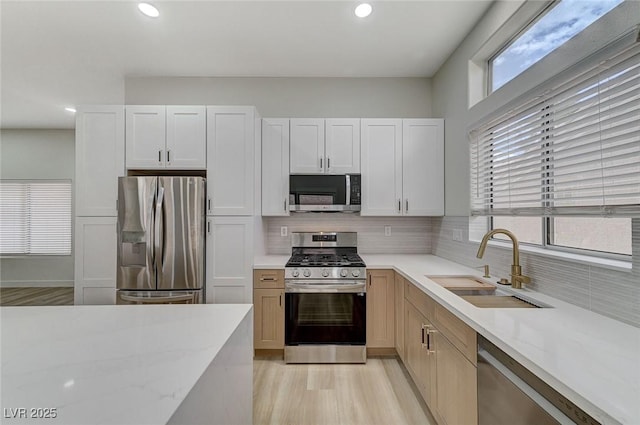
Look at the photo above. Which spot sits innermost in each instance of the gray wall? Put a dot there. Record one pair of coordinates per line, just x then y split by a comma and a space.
37, 154
291, 97
609, 292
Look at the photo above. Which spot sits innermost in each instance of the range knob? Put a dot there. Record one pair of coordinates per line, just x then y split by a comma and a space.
355, 273
325, 273
306, 272
344, 273
295, 273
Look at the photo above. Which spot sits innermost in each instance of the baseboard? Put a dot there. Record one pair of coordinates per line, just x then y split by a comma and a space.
268, 354
36, 283
381, 352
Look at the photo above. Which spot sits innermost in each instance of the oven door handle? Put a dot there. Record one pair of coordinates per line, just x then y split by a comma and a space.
310, 288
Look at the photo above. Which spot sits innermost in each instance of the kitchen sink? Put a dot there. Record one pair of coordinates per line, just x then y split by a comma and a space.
484, 294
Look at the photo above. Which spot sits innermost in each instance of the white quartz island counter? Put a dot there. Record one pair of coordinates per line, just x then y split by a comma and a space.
591, 359
150, 364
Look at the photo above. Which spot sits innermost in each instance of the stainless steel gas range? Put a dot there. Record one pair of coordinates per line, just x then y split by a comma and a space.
325, 299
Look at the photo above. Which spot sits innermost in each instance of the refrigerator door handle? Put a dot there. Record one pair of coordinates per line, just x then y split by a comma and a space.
180, 298
158, 236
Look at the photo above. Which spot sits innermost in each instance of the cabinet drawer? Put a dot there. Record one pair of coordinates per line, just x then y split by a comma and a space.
457, 332
419, 299
268, 279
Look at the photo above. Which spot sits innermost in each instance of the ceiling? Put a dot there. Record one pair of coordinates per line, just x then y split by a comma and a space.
64, 53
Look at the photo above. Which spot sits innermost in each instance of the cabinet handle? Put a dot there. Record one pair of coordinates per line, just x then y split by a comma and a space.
328, 163
168, 155
430, 330
399, 206
422, 336
160, 155
208, 227
285, 204
268, 279
406, 206
321, 163
369, 280
280, 301
209, 203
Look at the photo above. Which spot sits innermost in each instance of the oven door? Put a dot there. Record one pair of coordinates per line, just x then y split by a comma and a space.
325, 313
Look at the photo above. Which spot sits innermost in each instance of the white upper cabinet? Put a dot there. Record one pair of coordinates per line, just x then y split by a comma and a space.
402, 167
186, 137
342, 146
321, 146
381, 167
146, 135
230, 160
166, 137
423, 167
99, 159
307, 146
275, 166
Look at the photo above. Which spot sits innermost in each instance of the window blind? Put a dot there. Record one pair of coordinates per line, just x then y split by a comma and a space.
572, 150
35, 217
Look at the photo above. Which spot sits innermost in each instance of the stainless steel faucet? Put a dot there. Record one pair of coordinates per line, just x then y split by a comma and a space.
517, 278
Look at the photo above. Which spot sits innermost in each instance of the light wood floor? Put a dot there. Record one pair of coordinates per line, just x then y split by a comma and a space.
36, 296
378, 392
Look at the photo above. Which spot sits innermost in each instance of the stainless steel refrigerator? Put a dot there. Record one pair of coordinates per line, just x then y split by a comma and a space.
160, 240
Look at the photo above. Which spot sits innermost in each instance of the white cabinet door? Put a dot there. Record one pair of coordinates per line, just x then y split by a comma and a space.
381, 167
99, 159
186, 144
229, 260
423, 167
307, 146
146, 135
95, 260
275, 166
342, 146
230, 160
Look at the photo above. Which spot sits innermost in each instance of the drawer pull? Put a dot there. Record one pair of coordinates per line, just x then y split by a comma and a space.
268, 279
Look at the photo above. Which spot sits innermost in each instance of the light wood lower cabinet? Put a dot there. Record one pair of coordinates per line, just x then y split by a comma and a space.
268, 309
380, 309
420, 362
456, 384
440, 355
399, 313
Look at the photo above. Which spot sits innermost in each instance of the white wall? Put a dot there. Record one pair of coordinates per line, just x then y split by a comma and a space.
37, 154
291, 97
450, 101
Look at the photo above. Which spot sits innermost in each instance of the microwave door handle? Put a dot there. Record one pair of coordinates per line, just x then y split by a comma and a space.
347, 178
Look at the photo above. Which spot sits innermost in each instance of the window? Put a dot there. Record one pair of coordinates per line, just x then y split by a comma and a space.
570, 151
551, 29
35, 217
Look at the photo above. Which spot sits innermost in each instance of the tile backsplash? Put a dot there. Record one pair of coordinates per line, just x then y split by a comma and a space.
409, 235
609, 292
602, 290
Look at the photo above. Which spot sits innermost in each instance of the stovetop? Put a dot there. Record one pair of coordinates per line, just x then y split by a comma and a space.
325, 260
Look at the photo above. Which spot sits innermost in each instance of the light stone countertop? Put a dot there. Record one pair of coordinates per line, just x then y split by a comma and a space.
591, 359
124, 364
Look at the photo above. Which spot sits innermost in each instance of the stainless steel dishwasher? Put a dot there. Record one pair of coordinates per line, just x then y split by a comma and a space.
509, 394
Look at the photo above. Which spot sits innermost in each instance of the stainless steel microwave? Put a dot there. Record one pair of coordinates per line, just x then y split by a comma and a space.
324, 193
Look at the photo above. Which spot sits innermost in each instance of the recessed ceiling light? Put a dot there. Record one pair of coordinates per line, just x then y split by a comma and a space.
363, 10
69, 109
148, 10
